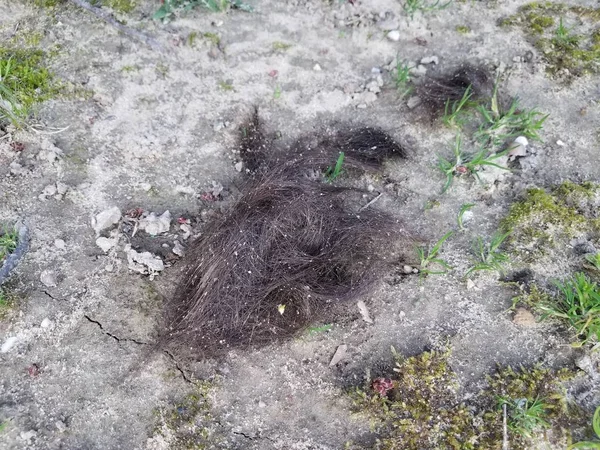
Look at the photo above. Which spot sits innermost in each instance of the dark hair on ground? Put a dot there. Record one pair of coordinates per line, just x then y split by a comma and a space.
286, 252
436, 91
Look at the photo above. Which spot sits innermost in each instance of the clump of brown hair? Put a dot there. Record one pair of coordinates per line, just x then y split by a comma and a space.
435, 92
286, 252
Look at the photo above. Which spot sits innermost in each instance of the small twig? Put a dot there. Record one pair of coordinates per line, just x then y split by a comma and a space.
371, 202
504, 429
108, 18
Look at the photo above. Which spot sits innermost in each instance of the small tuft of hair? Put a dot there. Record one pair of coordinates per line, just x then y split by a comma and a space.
435, 92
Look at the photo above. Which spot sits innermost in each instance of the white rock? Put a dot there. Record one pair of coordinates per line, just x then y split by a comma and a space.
407, 269
418, 71
61, 187
105, 243
17, 169
49, 190
145, 263
60, 426
106, 219
522, 140
60, 244
317, 68
48, 278
239, 166
560, 143
187, 230
154, 224
467, 216
429, 60
145, 187
178, 249
46, 323
261, 404
470, 284
373, 86
8, 344
394, 35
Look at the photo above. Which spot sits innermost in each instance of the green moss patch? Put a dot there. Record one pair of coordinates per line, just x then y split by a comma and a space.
188, 424
567, 36
419, 407
543, 219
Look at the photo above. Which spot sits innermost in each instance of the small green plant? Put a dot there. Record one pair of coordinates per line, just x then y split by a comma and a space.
277, 92
283, 46
169, 8
500, 125
9, 238
591, 445
525, 416
226, 86
578, 303
403, 78
464, 164
489, 256
428, 258
463, 29
563, 37
461, 213
593, 262
412, 6
332, 173
456, 113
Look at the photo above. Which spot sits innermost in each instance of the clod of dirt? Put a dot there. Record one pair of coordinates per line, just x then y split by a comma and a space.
106, 219
153, 224
524, 318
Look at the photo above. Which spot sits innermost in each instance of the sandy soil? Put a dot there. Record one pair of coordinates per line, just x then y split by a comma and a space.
158, 130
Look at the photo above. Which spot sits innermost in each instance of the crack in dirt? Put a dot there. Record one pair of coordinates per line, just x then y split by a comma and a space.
116, 338
185, 377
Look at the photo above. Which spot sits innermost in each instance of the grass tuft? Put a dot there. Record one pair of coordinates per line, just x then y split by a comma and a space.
429, 259
489, 255
411, 7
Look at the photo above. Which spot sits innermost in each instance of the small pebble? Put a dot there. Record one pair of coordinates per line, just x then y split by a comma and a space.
46, 323
430, 59
8, 344
59, 244
239, 166
560, 143
317, 68
407, 270
470, 285
48, 278
394, 35
261, 404
60, 426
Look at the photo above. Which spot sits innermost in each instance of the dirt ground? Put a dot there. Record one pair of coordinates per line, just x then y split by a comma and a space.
157, 132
